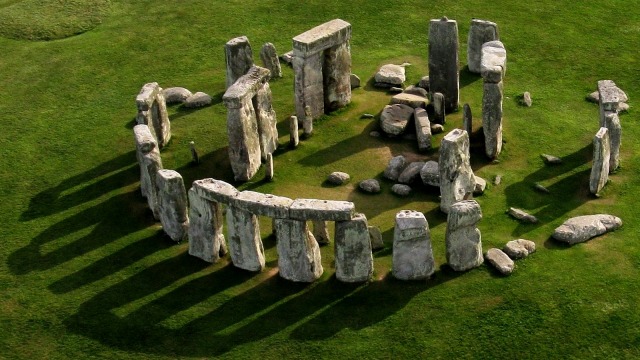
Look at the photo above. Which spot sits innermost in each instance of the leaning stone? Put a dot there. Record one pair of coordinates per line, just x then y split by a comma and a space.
206, 240
411, 173
444, 77
355, 81
423, 129
430, 173
353, 257
375, 237
395, 118
262, 204
294, 136
176, 95
594, 97
494, 62
480, 32
269, 58
390, 74
321, 232
415, 90
492, 118
463, 238
467, 119
550, 159
601, 156
395, 167
338, 178
481, 185
424, 83
415, 101
522, 215
197, 100
526, 99
519, 249
436, 128
582, 228
245, 244
328, 210
457, 181
172, 204
401, 189
371, 186
439, 109
239, 58
412, 253
500, 261
541, 188
612, 123
298, 252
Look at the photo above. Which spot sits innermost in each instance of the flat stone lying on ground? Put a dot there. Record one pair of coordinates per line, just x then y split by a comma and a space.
412, 253
414, 101
582, 228
338, 178
500, 261
481, 185
430, 173
439, 115
519, 249
371, 186
390, 75
411, 172
197, 100
328, 210
176, 95
395, 118
522, 215
463, 238
423, 129
401, 189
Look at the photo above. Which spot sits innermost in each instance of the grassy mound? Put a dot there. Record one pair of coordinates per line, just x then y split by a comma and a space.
50, 19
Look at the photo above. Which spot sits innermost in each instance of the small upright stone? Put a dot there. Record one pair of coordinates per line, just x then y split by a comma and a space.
424, 83
239, 58
438, 108
245, 244
526, 99
443, 61
480, 32
355, 81
500, 261
414, 101
550, 159
467, 119
492, 118
481, 185
601, 156
269, 58
307, 123
268, 174
194, 153
294, 137
412, 253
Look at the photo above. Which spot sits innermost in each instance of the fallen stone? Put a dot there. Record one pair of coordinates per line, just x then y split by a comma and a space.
481, 185
480, 32
463, 238
328, 210
298, 252
411, 173
519, 249
601, 156
353, 257
371, 186
424, 83
526, 99
176, 95
395, 167
245, 243
338, 178
412, 252
287, 58
206, 239
415, 90
401, 189
550, 159
262, 204
367, 116
423, 129
430, 173
457, 180
395, 118
396, 90
355, 81
500, 261
522, 215
172, 204
194, 153
375, 237
582, 228
269, 57
436, 128
414, 101
390, 74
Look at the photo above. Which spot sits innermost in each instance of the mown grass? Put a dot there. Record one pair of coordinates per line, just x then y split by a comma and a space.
86, 272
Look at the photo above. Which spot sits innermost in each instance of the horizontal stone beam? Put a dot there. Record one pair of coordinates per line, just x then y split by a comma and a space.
215, 190
263, 204
246, 85
321, 37
327, 210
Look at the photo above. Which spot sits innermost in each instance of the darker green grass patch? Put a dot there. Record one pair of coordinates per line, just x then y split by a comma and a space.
51, 19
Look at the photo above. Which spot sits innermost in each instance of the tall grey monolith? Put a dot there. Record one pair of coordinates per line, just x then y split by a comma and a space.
206, 240
463, 239
298, 252
480, 32
412, 253
601, 156
457, 180
270, 60
467, 119
353, 256
239, 58
172, 204
443, 61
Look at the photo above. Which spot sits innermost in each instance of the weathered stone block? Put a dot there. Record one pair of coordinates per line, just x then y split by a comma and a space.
206, 240
423, 129
238, 57
215, 190
493, 66
269, 57
262, 204
430, 173
395, 167
245, 244
467, 119
601, 157
395, 118
353, 257
412, 253
244, 142
298, 252
172, 204
457, 180
150, 164
443, 61
480, 32
337, 77
463, 238
145, 144
327, 210
492, 118
439, 114
610, 98
267, 121
414, 101
582, 228
152, 111
612, 123
321, 232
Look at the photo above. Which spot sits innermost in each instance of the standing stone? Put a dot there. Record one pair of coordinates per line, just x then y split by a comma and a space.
267, 121
244, 141
245, 244
322, 68
467, 119
457, 180
239, 58
172, 204
355, 81
582, 228
612, 123
307, 123
294, 137
353, 257
423, 129
492, 118
152, 111
601, 158
206, 240
439, 108
268, 175
443, 61
375, 237
463, 238
194, 153
270, 60
480, 32
412, 253
610, 96
298, 252
145, 144
321, 232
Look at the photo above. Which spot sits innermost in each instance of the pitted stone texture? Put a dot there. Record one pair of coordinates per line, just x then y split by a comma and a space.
206, 240
176, 95
463, 238
244, 142
480, 32
439, 115
390, 75
467, 119
492, 118
401, 189
601, 156
412, 253
270, 60
338, 178
430, 173
411, 173
197, 100
145, 144
321, 232
395, 118
414, 101
582, 228
245, 244
152, 111
298, 252
353, 257
150, 164
215, 190
500, 261
262, 204
522, 215
457, 180
371, 186
327, 210
239, 58
443, 61
612, 123
519, 249
423, 129
395, 167
494, 61
375, 237
172, 204
481, 185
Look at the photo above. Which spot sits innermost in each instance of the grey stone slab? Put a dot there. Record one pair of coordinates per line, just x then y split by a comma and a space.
500, 261
298, 252
245, 244
522, 215
238, 57
244, 140
423, 129
457, 180
463, 238
414, 101
321, 232
321, 37
328, 210
480, 32
443, 61
395, 118
215, 190
612, 123
269, 57
601, 157
492, 118
582, 228
412, 252
206, 239
430, 173
493, 66
172, 204
262, 204
150, 164
353, 256
390, 75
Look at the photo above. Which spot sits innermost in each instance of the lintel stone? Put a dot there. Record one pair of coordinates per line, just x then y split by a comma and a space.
321, 37
328, 210
263, 204
246, 86
215, 190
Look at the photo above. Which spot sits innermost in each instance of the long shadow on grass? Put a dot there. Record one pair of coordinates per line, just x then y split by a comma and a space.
564, 195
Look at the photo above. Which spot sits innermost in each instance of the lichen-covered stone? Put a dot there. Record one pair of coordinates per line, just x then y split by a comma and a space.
582, 228
355, 81
371, 186
444, 77
457, 180
294, 136
480, 32
439, 115
321, 232
612, 123
500, 261
152, 111
197, 100
353, 257
390, 75
215, 190
430, 173
522, 215
601, 157
375, 236
492, 118
328, 210
412, 253
172, 204
467, 119
481, 185
145, 143
494, 62
395, 167
414, 101
338, 178
298, 252
262, 204
206, 240
463, 238
411, 172
176, 95
519, 249
245, 244
269, 57
395, 118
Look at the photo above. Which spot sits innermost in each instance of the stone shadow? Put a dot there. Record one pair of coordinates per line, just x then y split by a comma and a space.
467, 78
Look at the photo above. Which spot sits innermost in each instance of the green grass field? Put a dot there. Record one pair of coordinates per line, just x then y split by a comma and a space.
85, 272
